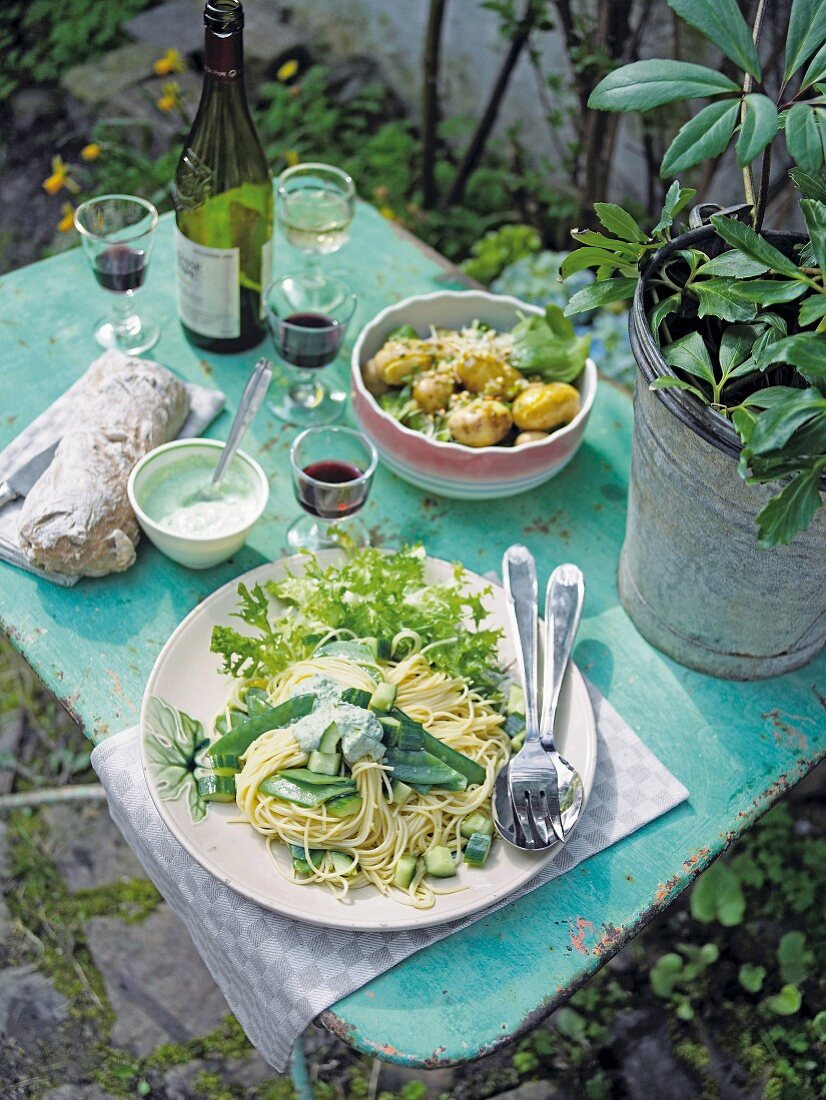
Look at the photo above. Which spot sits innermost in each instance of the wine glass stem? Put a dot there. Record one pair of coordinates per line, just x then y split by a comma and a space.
305, 393
124, 319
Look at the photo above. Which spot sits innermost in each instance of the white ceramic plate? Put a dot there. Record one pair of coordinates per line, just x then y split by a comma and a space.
186, 676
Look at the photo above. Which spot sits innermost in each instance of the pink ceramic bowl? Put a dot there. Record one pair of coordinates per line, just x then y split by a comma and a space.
451, 469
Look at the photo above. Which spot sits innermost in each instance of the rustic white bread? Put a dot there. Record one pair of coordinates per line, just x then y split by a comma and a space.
77, 518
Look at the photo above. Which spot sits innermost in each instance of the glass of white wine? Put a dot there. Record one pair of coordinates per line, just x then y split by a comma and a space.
316, 203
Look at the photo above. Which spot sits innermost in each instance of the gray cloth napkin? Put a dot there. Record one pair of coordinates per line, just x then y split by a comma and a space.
278, 974
204, 406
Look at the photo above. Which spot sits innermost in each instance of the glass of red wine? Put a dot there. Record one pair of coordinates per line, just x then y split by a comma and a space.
308, 315
332, 470
117, 233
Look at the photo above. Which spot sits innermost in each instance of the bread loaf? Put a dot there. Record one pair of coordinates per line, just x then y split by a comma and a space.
77, 518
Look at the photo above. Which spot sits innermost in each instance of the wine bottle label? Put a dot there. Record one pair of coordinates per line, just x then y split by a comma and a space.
266, 273
209, 300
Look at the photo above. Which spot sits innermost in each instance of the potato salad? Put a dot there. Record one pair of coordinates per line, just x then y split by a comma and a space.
479, 387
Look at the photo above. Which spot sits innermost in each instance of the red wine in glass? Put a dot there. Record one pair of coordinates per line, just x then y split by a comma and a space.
120, 268
332, 489
308, 340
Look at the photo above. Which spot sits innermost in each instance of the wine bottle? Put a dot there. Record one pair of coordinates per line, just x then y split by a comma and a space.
223, 200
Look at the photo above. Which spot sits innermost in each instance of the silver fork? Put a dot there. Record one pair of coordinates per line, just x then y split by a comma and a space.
532, 775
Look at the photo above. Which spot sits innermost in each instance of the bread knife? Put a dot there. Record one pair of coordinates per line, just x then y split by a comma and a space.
19, 481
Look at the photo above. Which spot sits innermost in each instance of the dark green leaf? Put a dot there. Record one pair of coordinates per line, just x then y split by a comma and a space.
814, 214
690, 355
751, 977
805, 350
772, 395
547, 346
736, 345
588, 256
645, 84
769, 292
719, 298
759, 125
813, 187
676, 199
744, 421
619, 222
753, 245
669, 382
806, 33
624, 248
816, 70
777, 424
661, 310
794, 957
704, 136
805, 136
786, 515
734, 264
722, 23
813, 309
601, 294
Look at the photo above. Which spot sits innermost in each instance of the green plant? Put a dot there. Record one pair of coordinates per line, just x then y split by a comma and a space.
743, 331
676, 977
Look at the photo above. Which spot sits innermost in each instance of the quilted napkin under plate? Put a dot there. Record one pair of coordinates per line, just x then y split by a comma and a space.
278, 974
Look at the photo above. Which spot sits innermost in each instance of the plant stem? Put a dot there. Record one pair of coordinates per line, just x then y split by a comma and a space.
748, 84
533, 10
430, 101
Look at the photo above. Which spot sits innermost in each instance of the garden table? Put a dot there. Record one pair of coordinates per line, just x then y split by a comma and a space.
737, 747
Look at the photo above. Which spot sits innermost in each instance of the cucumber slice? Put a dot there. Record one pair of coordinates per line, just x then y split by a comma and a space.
324, 763
516, 700
383, 697
356, 697
391, 727
404, 871
344, 863
476, 823
401, 792
227, 750
217, 788
330, 739
361, 653
439, 862
518, 741
344, 805
300, 863
477, 850
384, 650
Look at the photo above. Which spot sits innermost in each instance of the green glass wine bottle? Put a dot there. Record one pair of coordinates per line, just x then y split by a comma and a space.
223, 200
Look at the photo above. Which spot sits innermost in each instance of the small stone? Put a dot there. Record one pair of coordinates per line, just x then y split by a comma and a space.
178, 24
87, 847
78, 1092
155, 980
532, 1090
249, 1071
650, 1068
179, 1083
30, 1008
97, 85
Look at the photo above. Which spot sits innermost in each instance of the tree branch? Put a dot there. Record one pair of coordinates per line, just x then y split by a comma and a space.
430, 101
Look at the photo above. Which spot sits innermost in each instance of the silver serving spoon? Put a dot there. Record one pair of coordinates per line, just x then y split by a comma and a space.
254, 392
564, 598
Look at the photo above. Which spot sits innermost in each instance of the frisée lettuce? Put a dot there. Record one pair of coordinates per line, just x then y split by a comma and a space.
371, 595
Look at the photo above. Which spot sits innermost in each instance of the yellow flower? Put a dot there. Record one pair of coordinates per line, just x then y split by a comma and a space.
387, 212
59, 178
171, 98
292, 158
287, 71
90, 151
67, 222
171, 62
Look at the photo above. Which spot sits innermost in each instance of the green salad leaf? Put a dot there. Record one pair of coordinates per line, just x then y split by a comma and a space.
549, 347
372, 595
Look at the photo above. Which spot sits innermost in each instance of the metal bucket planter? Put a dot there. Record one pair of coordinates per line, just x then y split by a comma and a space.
690, 574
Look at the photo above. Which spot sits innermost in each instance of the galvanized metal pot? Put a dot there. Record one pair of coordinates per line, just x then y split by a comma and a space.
690, 574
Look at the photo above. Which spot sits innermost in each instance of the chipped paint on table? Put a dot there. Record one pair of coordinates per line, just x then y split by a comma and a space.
737, 747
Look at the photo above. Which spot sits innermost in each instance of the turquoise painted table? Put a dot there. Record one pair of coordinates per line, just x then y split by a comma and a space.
737, 747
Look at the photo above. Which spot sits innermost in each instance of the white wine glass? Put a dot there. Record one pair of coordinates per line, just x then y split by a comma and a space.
316, 203
117, 233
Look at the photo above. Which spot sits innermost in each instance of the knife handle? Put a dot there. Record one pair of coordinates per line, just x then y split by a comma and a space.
7, 494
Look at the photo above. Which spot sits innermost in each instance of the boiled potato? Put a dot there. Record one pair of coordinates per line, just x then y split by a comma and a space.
488, 374
545, 405
432, 390
399, 359
529, 437
372, 379
480, 423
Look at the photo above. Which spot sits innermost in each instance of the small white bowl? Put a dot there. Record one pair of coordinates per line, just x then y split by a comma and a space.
194, 551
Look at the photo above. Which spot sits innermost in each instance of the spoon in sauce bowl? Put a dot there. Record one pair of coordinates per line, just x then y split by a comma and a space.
254, 392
